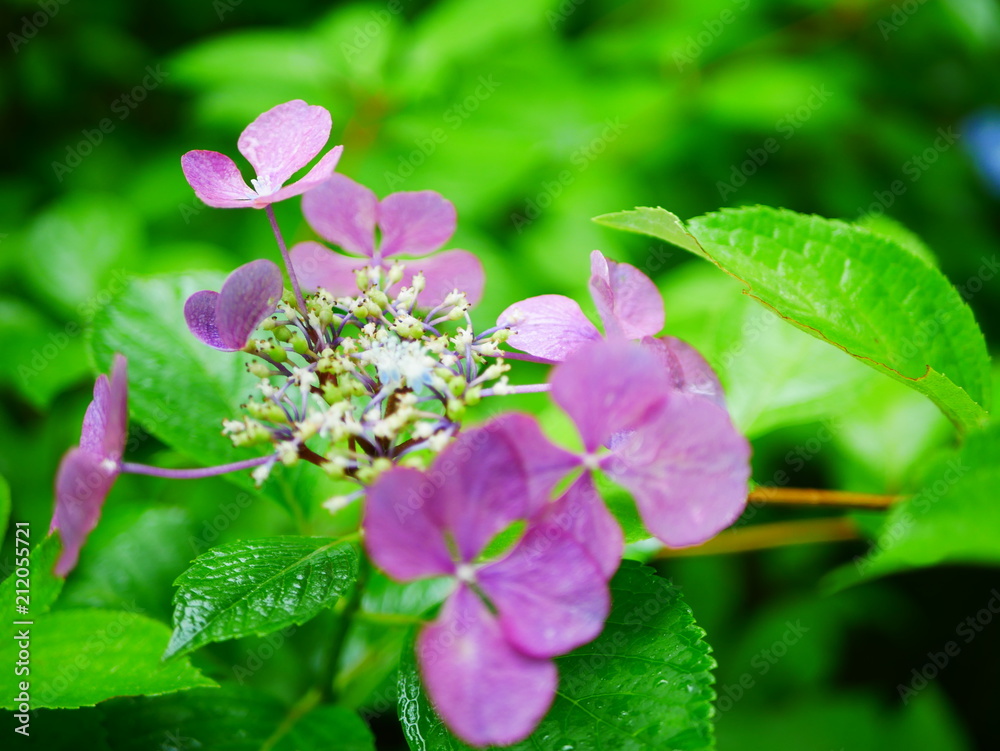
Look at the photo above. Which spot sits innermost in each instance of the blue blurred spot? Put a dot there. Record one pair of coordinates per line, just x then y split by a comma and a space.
982, 140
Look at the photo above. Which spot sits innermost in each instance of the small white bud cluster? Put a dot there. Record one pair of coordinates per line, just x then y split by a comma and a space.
360, 384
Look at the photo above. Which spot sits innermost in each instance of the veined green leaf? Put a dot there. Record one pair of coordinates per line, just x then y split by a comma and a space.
860, 291
953, 518
82, 657
644, 684
258, 586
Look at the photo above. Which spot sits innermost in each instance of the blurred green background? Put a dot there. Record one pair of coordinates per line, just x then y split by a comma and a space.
532, 116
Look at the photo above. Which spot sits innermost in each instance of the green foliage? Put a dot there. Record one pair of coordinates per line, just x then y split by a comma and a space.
78, 252
131, 559
82, 657
4, 506
859, 291
823, 722
230, 719
952, 518
587, 107
45, 586
644, 683
774, 375
44, 358
257, 587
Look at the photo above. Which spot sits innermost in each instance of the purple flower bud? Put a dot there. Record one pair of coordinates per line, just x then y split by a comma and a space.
225, 320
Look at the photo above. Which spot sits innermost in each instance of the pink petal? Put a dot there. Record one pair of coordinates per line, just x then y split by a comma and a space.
343, 212
445, 272
415, 223
283, 140
544, 463
687, 369
582, 512
249, 295
95, 420
484, 488
82, 483
403, 524
688, 470
216, 179
548, 326
628, 302
199, 313
549, 593
487, 692
609, 387
116, 432
317, 266
319, 174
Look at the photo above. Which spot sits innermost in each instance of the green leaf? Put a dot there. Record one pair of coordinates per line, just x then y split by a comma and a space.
179, 389
890, 228
657, 222
857, 290
231, 718
82, 657
44, 587
4, 506
132, 558
43, 358
258, 586
774, 375
76, 252
328, 727
953, 518
644, 683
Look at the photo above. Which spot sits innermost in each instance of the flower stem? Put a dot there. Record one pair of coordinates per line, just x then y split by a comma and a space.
508, 355
531, 388
344, 612
193, 474
825, 498
766, 536
287, 259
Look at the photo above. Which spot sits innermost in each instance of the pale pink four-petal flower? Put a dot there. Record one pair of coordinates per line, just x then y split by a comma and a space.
277, 144
415, 224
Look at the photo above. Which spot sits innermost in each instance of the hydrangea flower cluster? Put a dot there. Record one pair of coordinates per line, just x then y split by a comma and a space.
367, 366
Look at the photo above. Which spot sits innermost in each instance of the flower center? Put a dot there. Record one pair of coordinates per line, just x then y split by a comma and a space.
465, 572
262, 186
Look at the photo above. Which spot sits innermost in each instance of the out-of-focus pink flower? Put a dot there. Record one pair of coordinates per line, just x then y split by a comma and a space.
87, 472
415, 224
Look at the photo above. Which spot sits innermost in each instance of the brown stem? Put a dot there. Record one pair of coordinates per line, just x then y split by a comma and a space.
765, 536
311, 456
827, 498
